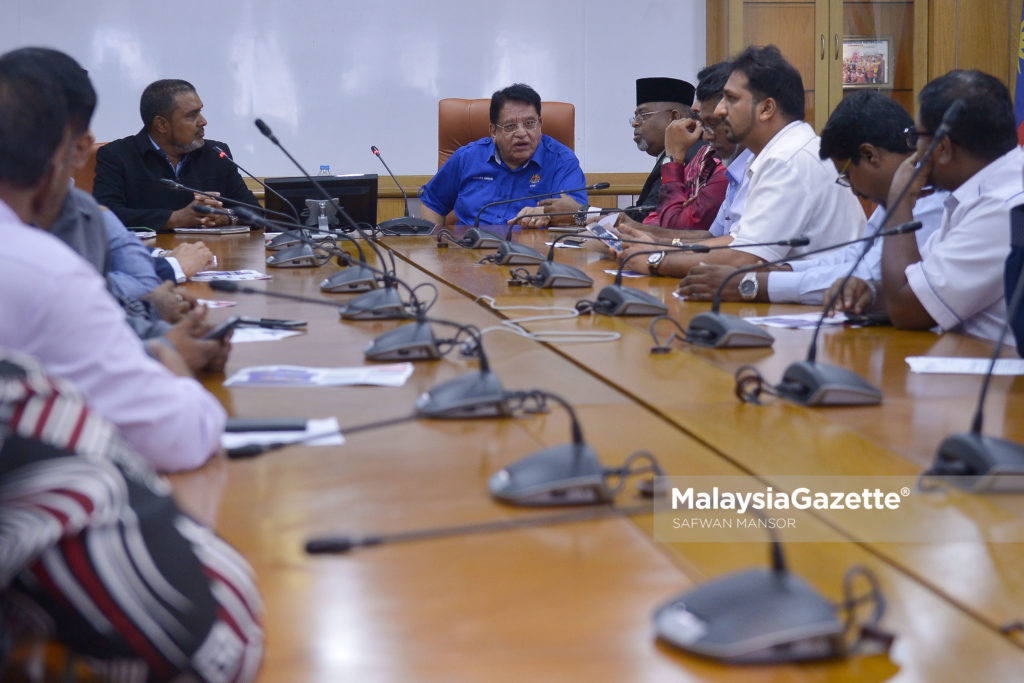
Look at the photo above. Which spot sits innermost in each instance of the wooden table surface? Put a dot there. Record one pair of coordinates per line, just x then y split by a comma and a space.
574, 601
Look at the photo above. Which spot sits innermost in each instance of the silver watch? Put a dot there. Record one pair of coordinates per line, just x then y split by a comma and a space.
654, 261
748, 287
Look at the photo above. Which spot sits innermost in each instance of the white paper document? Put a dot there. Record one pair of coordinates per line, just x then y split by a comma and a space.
327, 426
208, 275
796, 321
390, 375
943, 365
241, 335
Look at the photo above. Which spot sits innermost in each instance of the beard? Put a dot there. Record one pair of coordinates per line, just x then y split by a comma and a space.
642, 144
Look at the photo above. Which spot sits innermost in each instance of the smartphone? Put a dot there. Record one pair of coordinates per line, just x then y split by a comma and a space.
606, 236
222, 330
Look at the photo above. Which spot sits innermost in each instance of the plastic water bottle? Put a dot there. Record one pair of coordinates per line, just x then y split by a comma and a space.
325, 169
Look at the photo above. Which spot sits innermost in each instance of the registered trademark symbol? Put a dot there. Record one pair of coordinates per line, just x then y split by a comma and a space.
905, 491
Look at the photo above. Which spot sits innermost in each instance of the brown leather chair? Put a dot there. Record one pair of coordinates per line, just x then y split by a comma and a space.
85, 176
460, 122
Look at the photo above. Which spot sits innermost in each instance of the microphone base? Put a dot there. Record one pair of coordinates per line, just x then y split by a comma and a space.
412, 342
818, 384
720, 330
515, 254
299, 256
475, 238
979, 463
284, 240
622, 300
379, 304
554, 275
758, 616
407, 226
353, 279
476, 394
568, 474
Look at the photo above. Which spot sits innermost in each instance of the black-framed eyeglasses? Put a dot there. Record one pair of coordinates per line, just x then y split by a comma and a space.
528, 124
913, 135
844, 177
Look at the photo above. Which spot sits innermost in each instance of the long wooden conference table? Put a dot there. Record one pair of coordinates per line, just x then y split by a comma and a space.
573, 601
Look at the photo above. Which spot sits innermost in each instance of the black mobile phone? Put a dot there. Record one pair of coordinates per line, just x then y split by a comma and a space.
222, 330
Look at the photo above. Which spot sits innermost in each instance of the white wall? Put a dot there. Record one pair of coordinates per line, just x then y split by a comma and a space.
332, 78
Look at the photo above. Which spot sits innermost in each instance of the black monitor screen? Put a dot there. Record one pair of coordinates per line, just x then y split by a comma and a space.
356, 193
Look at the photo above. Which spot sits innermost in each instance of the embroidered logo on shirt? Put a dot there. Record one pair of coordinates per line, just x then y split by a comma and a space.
482, 177
535, 178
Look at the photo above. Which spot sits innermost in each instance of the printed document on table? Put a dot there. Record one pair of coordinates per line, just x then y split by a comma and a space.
391, 375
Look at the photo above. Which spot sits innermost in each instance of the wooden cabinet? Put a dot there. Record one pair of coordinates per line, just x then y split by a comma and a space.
811, 35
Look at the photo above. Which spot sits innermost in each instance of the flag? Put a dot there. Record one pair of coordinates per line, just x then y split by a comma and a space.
1018, 100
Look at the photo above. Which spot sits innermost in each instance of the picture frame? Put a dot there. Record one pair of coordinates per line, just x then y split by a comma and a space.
867, 62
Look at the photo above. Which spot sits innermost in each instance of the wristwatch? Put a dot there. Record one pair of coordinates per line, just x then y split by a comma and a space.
580, 217
654, 261
748, 287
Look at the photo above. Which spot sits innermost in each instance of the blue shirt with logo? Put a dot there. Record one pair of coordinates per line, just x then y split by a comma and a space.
474, 176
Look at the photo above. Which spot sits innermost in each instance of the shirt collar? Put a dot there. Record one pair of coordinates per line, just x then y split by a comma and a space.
973, 186
538, 157
738, 167
787, 131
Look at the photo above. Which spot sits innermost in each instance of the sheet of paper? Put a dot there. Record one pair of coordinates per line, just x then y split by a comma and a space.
244, 334
796, 321
391, 375
211, 303
943, 365
626, 273
225, 230
564, 245
327, 426
208, 275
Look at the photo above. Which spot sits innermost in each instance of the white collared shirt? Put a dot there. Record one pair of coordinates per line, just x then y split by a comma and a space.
959, 279
793, 193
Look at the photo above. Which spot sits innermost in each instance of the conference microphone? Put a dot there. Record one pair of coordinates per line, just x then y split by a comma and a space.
810, 383
379, 304
406, 225
476, 394
514, 254
971, 460
553, 274
284, 202
256, 449
767, 616
175, 185
475, 238
343, 544
617, 299
566, 474
722, 330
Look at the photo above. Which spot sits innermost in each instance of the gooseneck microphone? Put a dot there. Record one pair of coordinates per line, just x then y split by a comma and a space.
810, 383
722, 330
475, 238
175, 185
617, 299
545, 195
224, 155
406, 225
972, 460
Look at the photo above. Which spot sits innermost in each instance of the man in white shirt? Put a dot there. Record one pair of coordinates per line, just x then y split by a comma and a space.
791, 193
864, 139
55, 306
955, 281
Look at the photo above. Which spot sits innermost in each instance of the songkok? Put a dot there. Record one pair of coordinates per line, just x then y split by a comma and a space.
663, 90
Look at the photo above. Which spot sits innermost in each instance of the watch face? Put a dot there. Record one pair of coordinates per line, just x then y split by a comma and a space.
748, 288
655, 259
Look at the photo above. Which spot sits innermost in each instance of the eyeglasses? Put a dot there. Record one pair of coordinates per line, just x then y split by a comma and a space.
528, 124
913, 135
844, 178
642, 116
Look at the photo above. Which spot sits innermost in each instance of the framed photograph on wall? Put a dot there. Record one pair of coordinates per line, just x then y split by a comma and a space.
867, 62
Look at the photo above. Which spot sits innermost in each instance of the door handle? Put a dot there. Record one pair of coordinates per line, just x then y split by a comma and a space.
822, 46
836, 37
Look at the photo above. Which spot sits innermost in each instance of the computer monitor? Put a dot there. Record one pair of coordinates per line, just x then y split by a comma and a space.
357, 194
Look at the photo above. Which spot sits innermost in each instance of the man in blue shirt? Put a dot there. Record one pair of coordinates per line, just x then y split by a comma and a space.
518, 160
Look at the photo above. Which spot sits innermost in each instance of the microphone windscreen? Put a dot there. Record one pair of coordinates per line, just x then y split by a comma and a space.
223, 285
602, 186
264, 128
373, 148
